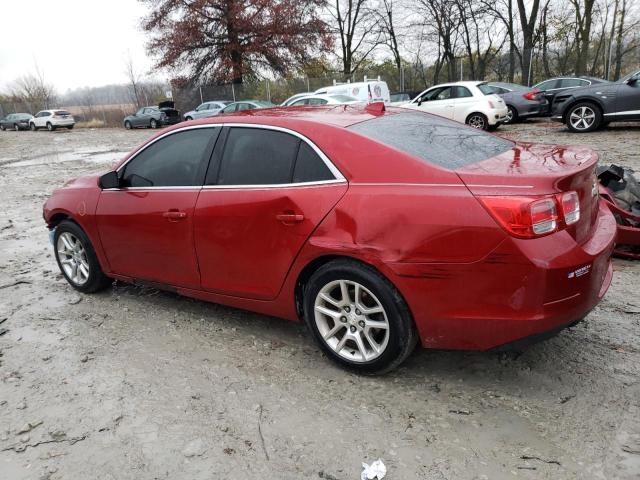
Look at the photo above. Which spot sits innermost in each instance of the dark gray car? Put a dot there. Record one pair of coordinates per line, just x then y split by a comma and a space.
522, 102
16, 121
586, 109
153, 117
553, 86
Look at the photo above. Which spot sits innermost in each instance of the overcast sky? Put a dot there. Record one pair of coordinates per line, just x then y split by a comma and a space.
76, 43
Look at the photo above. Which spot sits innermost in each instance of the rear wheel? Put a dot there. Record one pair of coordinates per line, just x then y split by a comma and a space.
154, 123
188, 118
77, 259
512, 115
358, 318
584, 117
478, 120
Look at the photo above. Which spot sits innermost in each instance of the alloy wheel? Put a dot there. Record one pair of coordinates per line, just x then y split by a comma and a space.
16, 127
73, 258
582, 118
477, 121
509, 117
351, 321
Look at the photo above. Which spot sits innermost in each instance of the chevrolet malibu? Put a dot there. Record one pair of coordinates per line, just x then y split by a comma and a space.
378, 228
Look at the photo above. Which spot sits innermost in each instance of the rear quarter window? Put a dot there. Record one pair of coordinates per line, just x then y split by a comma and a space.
433, 139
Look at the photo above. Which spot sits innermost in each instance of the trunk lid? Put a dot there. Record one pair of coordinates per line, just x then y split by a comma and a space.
536, 170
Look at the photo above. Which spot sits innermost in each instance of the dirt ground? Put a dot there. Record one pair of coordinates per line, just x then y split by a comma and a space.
134, 383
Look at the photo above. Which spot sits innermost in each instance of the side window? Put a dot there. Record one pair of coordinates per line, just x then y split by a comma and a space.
140, 112
317, 101
570, 82
245, 106
548, 85
462, 92
172, 161
254, 156
585, 83
230, 108
309, 166
298, 103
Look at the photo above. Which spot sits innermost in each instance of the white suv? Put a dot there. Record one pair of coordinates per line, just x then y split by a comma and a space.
472, 103
52, 119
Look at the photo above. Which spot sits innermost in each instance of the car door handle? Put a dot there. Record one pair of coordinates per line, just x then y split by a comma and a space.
290, 217
174, 215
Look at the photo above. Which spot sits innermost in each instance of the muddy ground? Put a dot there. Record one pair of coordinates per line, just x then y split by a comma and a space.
134, 383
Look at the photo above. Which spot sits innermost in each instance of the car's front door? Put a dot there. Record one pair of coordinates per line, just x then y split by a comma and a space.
146, 225
628, 100
265, 193
41, 119
438, 100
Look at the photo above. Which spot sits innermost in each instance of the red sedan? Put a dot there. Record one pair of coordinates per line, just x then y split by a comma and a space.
378, 228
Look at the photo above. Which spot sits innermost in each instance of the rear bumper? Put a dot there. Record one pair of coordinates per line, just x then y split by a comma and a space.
170, 120
63, 123
522, 288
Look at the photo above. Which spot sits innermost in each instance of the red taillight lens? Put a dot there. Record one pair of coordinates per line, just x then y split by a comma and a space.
570, 207
491, 104
523, 217
532, 95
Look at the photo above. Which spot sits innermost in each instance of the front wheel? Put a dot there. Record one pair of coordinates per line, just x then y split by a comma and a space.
512, 115
358, 318
478, 120
32, 127
2, 127
188, 118
16, 127
77, 259
50, 127
583, 118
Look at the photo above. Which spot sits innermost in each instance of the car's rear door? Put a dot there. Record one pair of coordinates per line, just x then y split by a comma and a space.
266, 191
146, 226
463, 103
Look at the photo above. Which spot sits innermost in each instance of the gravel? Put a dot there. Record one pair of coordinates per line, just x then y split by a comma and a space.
134, 383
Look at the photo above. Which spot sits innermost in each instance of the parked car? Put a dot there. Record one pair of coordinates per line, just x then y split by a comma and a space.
295, 97
153, 117
370, 91
51, 119
522, 102
589, 108
399, 98
550, 88
16, 121
357, 221
313, 99
246, 105
472, 103
206, 109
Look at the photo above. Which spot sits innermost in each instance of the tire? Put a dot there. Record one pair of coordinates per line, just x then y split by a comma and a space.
188, 118
477, 120
583, 117
70, 127
65, 234
16, 127
50, 127
512, 115
393, 343
493, 128
2, 127
154, 123
32, 127
127, 125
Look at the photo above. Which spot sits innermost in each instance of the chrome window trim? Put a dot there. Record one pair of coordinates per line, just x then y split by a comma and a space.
339, 178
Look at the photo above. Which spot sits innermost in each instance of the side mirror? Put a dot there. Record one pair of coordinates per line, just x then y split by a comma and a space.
632, 80
109, 180
419, 101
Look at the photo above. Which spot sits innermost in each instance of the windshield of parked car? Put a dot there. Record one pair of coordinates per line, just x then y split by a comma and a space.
486, 88
434, 139
631, 75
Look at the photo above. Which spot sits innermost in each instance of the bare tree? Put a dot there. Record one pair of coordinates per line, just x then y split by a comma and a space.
527, 24
133, 76
388, 24
33, 90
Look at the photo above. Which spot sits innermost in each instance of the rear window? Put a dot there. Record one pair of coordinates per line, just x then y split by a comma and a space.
436, 140
61, 112
486, 89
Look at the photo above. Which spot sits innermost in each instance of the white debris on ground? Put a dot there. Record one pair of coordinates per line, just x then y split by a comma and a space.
376, 471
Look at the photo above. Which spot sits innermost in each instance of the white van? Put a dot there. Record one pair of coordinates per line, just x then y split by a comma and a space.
373, 91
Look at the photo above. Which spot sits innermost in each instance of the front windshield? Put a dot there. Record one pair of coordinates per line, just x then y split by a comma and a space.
635, 73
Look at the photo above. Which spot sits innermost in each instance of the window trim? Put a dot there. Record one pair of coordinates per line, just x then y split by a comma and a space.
339, 178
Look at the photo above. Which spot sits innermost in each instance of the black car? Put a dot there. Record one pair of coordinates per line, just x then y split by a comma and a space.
153, 117
586, 109
16, 121
550, 88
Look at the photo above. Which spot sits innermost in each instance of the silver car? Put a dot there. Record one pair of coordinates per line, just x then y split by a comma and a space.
206, 109
522, 102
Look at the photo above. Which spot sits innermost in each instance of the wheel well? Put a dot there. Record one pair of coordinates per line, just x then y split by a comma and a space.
580, 100
57, 218
474, 113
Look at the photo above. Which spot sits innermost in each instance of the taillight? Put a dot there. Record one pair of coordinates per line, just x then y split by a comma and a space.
570, 207
523, 217
532, 95
491, 104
